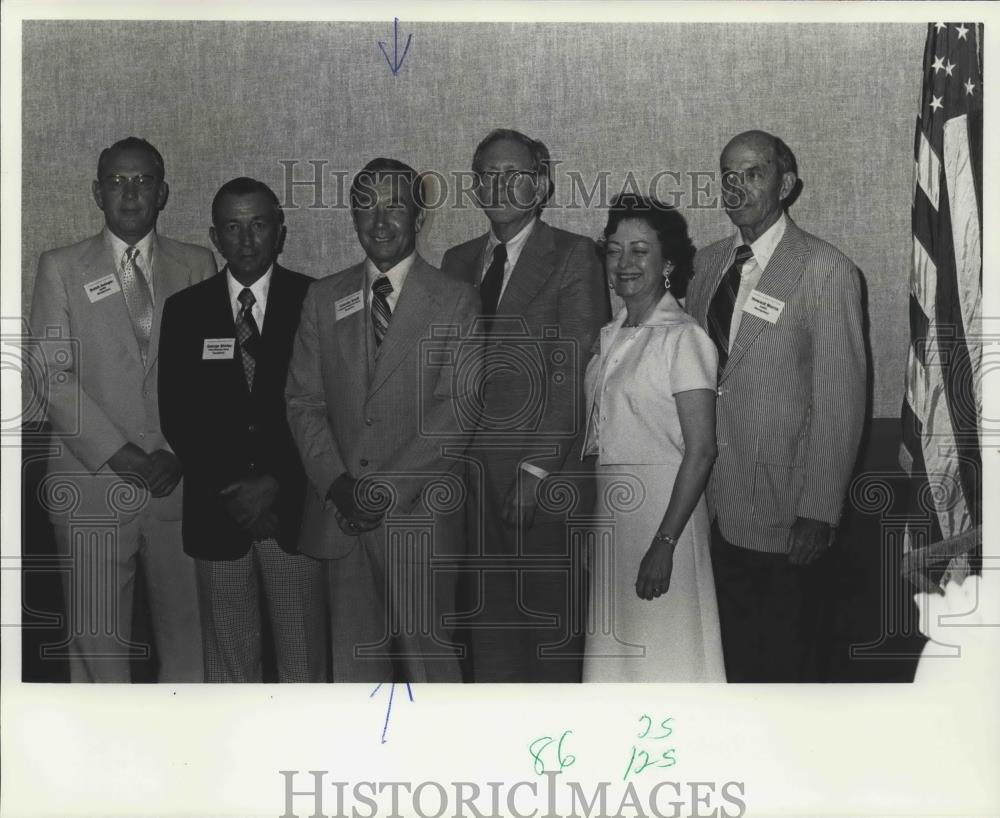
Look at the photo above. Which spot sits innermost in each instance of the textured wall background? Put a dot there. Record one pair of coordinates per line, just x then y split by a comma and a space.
230, 98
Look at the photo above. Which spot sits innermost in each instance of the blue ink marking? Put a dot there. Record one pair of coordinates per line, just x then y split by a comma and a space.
397, 61
388, 710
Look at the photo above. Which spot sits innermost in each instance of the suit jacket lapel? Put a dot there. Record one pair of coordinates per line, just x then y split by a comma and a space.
718, 270
529, 274
478, 263
220, 324
277, 317
169, 276
779, 278
97, 262
351, 331
416, 306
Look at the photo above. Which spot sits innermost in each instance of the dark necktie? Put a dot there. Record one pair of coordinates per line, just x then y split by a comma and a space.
138, 298
247, 334
489, 290
720, 311
380, 308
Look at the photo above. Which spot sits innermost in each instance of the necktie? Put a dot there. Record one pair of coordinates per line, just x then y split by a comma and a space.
720, 311
380, 308
138, 298
247, 334
492, 283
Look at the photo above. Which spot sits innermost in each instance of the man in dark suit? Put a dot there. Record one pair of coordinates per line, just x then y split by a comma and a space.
224, 359
784, 309
547, 296
98, 304
380, 365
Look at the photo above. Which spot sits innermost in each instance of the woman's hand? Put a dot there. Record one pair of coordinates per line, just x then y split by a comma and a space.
655, 570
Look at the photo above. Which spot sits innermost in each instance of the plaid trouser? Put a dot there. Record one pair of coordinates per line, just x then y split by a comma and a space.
294, 586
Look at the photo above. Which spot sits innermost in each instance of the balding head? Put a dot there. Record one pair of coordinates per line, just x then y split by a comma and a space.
764, 141
759, 172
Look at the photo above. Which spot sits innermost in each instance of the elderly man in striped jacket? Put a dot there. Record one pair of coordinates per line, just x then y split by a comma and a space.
784, 309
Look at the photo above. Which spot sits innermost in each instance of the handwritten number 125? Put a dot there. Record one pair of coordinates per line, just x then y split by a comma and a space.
641, 759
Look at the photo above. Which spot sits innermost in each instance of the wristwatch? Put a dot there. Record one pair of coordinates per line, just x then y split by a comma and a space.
666, 539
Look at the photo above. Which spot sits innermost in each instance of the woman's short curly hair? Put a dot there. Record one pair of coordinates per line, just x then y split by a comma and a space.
668, 224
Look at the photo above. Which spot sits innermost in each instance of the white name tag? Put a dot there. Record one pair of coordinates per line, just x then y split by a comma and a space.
764, 306
218, 349
101, 288
348, 305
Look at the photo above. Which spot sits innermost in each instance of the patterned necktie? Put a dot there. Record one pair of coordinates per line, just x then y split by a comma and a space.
138, 299
720, 311
492, 283
247, 335
380, 308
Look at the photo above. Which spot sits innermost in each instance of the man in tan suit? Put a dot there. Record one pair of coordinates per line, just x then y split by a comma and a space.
112, 489
784, 309
380, 366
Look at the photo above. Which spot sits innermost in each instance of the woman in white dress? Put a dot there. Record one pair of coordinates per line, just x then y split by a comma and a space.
650, 392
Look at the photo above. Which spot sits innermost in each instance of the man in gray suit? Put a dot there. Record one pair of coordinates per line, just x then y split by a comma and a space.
379, 366
547, 298
99, 303
784, 309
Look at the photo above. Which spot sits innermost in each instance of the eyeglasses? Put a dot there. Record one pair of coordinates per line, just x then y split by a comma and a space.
504, 178
143, 181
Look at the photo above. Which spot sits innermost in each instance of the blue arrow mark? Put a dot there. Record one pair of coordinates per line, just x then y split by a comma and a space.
397, 60
388, 709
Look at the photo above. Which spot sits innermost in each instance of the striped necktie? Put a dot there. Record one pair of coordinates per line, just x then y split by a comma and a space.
720, 311
380, 308
138, 299
247, 334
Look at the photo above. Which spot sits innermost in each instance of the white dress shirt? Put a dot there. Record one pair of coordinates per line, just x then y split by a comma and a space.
396, 275
146, 247
259, 288
514, 248
753, 268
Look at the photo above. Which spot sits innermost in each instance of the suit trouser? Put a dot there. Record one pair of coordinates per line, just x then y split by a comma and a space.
386, 610
295, 590
99, 593
523, 614
769, 611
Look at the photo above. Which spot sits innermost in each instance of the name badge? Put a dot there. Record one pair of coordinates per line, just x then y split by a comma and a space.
101, 288
218, 349
348, 305
764, 306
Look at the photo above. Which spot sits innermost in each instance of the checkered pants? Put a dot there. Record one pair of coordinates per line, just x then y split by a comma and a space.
229, 595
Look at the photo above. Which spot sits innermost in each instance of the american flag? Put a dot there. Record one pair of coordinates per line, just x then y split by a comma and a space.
943, 402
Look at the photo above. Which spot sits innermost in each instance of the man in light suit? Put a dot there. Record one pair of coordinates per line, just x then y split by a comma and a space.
379, 369
224, 355
548, 297
102, 298
784, 309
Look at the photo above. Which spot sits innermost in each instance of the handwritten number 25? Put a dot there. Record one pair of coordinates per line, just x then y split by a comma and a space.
664, 726
538, 746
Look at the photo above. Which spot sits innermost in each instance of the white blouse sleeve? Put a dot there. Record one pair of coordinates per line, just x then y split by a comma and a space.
695, 360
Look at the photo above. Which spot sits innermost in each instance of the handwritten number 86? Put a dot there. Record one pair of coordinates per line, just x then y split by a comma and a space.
538, 746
